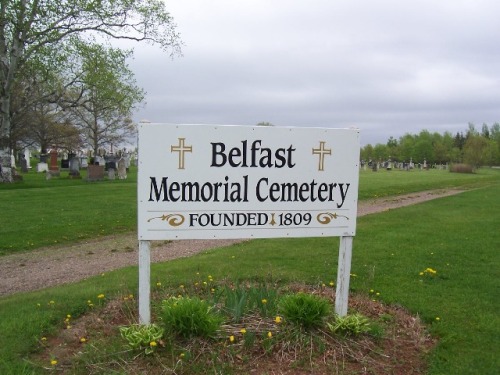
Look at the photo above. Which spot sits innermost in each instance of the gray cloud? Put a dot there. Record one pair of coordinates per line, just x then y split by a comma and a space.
388, 67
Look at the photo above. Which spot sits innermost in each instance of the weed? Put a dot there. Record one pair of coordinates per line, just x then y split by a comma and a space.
352, 324
188, 317
305, 310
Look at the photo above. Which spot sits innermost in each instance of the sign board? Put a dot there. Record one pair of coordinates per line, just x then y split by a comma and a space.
206, 181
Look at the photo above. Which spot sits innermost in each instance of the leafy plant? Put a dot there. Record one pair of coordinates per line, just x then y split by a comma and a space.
303, 309
352, 324
188, 317
142, 336
236, 302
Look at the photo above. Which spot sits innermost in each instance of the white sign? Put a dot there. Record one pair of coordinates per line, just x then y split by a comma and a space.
205, 181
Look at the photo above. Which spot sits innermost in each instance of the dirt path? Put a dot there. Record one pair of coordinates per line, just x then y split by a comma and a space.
51, 266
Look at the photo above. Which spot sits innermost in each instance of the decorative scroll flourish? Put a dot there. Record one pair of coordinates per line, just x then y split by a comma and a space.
326, 217
173, 220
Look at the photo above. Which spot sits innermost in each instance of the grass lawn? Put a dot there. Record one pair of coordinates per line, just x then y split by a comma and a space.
39, 212
457, 237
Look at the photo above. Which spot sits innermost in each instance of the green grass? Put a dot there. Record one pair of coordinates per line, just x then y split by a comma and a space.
456, 236
38, 212
396, 182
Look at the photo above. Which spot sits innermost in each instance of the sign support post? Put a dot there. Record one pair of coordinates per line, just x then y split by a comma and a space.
144, 282
343, 276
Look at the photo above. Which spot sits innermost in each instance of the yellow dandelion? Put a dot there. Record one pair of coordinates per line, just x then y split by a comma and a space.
44, 339
438, 318
331, 283
158, 284
83, 339
278, 319
269, 334
264, 301
243, 330
53, 362
231, 338
182, 355
153, 344
100, 296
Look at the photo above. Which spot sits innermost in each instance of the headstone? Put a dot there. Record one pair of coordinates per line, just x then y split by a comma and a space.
95, 172
6, 175
43, 158
126, 157
122, 169
74, 167
111, 173
12, 160
24, 164
53, 168
425, 164
42, 167
27, 156
84, 162
99, 160
110, 162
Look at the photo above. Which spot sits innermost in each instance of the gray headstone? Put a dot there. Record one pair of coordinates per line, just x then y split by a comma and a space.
74, 166
122, 169
42, 167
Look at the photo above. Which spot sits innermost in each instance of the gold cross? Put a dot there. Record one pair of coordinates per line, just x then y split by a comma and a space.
181, 149
321, 151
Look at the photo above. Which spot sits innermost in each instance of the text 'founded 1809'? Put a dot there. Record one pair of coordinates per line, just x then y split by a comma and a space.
203, 181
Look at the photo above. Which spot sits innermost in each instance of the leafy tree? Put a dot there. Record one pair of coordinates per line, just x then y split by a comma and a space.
407, 146
107, 94
367, 153
30, 28
479, 151
485, 132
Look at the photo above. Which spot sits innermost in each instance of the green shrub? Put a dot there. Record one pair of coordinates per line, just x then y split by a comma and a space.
461, 168
303, 309
188, 317
142, 336
353, 324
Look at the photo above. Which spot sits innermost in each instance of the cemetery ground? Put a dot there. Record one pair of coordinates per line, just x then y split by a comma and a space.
426, 276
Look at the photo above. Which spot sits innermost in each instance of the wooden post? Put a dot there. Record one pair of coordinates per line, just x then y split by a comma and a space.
144, 282
343, 276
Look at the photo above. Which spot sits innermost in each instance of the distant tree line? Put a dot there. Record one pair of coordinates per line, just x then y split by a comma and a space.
474, 147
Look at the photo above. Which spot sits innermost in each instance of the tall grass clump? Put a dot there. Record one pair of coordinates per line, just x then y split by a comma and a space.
190, 317
305, 310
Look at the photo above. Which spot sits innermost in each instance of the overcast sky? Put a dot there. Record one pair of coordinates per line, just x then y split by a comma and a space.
388, 67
